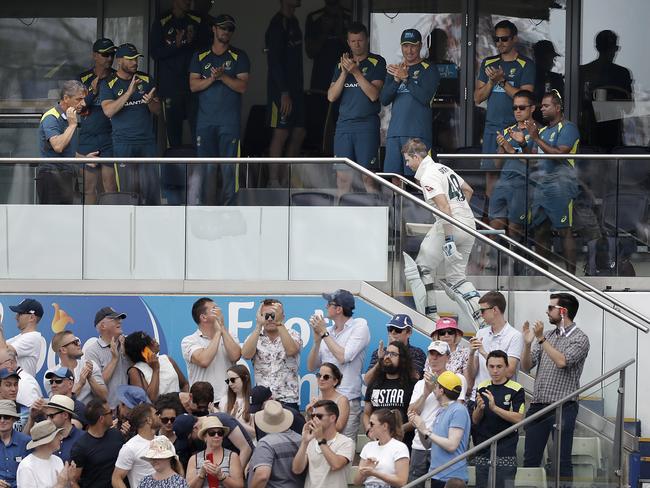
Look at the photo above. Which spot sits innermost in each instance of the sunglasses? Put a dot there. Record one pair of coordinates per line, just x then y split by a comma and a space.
7, 417
231, 380
57, 382
109, 412
76, 342
107, 55
167, 420
519, 107
217, 432
332, 304
395, 330
501, 38
319, 416
551, 307
52, 415
484, 309
324, 377
445, 332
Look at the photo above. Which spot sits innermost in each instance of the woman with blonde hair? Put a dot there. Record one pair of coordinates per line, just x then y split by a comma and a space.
237, 400
169, 473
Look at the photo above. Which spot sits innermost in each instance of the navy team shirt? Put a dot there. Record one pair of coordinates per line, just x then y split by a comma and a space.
54, 123
284, 50
219, 105
357, 112
94, 126
411, 113
134, 123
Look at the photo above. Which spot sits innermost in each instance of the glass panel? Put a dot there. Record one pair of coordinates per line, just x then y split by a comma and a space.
124, 21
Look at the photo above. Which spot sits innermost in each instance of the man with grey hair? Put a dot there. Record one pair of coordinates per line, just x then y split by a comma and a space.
58, 138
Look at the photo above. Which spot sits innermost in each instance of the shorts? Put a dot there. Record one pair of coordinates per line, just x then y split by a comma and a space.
508, 201
295, 119
394, 161
360, 147
490, 145
101, 144
552, 198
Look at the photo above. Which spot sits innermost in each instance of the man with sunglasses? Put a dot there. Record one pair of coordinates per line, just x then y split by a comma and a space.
29, 341
95, 129
500, 77
400, 329
96, 451
220, 77
13, 445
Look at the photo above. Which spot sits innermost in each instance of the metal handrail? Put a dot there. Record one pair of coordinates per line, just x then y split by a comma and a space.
493, 440
518, 245
378, 179
541, 156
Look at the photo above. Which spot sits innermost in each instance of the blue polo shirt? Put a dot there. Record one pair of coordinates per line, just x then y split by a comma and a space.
95, 128
219, 105
411, 113
515, 168
564, 133
283, 40
11, 455
54, 123
455, 415
357, 113
519, 72
133, 124
67, 443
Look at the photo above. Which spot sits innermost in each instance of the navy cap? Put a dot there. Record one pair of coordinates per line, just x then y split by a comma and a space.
128, 51
5, 373
132, 395
401, 321
104, 45
184, 424
109, 312
343, 298
223, 20
259, 395
28, 305
60, 373
410, 36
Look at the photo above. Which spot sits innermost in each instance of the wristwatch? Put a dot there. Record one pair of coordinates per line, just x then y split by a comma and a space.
502, 83
322, 441
324, 335
541, 341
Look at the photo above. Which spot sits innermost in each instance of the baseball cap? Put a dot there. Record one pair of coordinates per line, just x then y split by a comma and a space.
446, 323
184, 424
28, 305
439, 346
343, 298
109, 312
401, 321
128, 51
223, 20
259, 395
104, 45
545, 46
410, 36
60, 373
132, 395
6, 373
450, 381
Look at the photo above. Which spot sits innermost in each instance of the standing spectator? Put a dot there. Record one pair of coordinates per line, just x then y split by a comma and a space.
392, 388
216, 465
237, 401
13, 445
129, 461
29, 390
499, 78
545, 78
499, 404
107, 350
275, 352
450, 194
9, 391
60, 410
175, 35
211, 350
128, 99
324, 452
95, 131
168, 407
284, 87
384, 461
344, 344
129, 397
329, 378
42, 468
447, 331
58, 138
155, 373
409, 87
220, 76
29, 342
400, 329
163, 459
555, 185
89, 382
425, 404
96, 451
270, 465
559, 356
499, 335
449, 434
61, 382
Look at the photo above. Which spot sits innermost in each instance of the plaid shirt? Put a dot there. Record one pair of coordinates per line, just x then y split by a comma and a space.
553, 383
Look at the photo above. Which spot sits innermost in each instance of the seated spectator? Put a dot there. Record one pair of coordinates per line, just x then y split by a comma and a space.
27, 344
61, 382
216, 464
260, 396
9, 391
385, 460
14, 444
60, 410
42, 468
96, 451
199, 401
155, 373
168, 407
324, 452
237, 400
128, 397
447, 331
186, 438
329, 377
28, 388
168, 471
270, 465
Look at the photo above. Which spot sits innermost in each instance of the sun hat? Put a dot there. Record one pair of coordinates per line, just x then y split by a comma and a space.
159, 448
273, 418
42, 433
210, 422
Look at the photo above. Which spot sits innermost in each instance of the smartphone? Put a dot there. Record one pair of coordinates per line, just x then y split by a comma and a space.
148, 354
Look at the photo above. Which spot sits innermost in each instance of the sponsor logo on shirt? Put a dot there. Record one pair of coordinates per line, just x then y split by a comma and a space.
351, 85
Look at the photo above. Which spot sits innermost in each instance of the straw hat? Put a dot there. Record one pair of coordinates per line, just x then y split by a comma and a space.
159, 448
211, 422
42, 433
63, 403
8, 408
273, 418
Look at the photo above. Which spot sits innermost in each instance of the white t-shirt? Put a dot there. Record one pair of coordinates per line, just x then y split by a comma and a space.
28, 389
29, 347
509, 340
386, 457
34, 472
129, 459
319, 472
215, 373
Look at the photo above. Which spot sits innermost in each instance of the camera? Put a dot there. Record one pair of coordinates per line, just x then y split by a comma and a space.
269, 316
